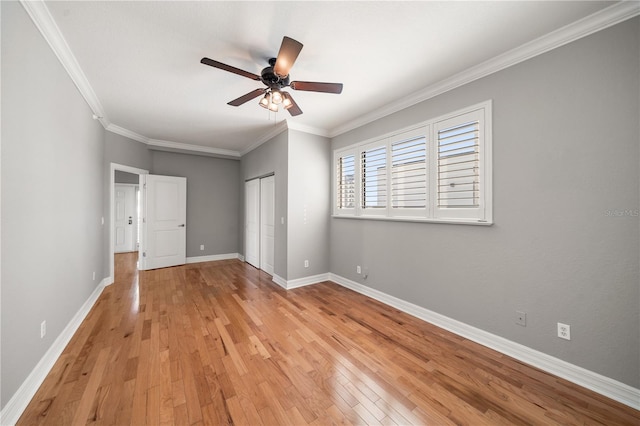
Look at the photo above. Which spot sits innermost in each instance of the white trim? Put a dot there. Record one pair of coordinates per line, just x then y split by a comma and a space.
112, 178
600, 20
606, 386
187, 148
212, 258
304, 281
307, 129
300, 282
127, 133
47, 26
279, 280
275, 131
19, 401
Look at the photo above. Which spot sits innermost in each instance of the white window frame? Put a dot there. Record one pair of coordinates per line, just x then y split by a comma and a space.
480, 215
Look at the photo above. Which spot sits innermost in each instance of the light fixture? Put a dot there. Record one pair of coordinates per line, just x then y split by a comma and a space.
276, 97
286, 100
273, 98
266, 101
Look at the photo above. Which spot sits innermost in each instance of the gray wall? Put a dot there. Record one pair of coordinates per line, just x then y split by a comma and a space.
127, 152
52, 180
566, 151
270, 157
309, 193
213, 200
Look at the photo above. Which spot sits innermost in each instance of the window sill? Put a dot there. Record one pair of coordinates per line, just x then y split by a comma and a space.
415, 220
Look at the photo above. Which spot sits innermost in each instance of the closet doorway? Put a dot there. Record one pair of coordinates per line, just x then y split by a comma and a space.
260, 222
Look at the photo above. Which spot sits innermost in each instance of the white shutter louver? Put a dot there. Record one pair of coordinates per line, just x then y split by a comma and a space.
409, 174
374, 178
458, 166
346, 188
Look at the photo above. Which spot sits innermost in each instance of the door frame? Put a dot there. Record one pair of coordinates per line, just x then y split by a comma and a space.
112, 184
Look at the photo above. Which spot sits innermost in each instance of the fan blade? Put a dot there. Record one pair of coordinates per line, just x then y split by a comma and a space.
246, 98
294, 109
289, 51
229, 68
312, 86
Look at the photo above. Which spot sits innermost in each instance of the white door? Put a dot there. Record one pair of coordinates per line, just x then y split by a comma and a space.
125, 218
267, 223
252, 222
164, 221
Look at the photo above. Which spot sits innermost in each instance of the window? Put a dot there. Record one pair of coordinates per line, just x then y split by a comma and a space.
440, 170
346, 185
374, 179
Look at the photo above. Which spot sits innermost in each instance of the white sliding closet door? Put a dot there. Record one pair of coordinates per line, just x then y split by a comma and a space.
260, 223
267, 223
252, 222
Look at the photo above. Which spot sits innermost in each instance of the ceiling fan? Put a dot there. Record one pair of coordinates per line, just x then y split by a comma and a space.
276, 78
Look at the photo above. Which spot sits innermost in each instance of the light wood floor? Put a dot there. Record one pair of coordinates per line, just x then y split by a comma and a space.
218, 342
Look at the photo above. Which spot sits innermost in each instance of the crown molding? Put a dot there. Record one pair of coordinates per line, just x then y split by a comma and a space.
307, 129
113, 128
41, 17
185, 148
619, 12
269, 134
595, 22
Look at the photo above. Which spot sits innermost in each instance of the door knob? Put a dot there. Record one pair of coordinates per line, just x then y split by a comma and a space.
181, 226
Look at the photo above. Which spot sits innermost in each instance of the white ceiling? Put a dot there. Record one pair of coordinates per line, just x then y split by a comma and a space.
142, 59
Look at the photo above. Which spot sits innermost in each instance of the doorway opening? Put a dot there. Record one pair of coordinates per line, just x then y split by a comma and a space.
112, 203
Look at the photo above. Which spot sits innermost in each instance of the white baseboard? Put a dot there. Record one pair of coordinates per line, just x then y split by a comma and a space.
300, 282
606, 386
19, 401
213, 257
279, 280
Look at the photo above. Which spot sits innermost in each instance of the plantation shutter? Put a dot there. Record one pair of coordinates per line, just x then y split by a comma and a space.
408, 181
345, 183
459, 174
374, 179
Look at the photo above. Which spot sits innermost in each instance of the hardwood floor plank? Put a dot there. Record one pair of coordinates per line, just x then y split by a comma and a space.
220, 343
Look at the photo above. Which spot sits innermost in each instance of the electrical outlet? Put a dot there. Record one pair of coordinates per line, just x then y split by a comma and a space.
306, 263
43, 329
358, 269
201, 247
521, 318
564, 331
94, 275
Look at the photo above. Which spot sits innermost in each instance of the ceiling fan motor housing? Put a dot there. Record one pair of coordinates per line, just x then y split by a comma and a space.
271, 79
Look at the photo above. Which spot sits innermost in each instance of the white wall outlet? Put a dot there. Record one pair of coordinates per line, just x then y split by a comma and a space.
358, 269
282, 220
102, 220
521, 318
306, 263
43, 329
201, 247
564, 331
